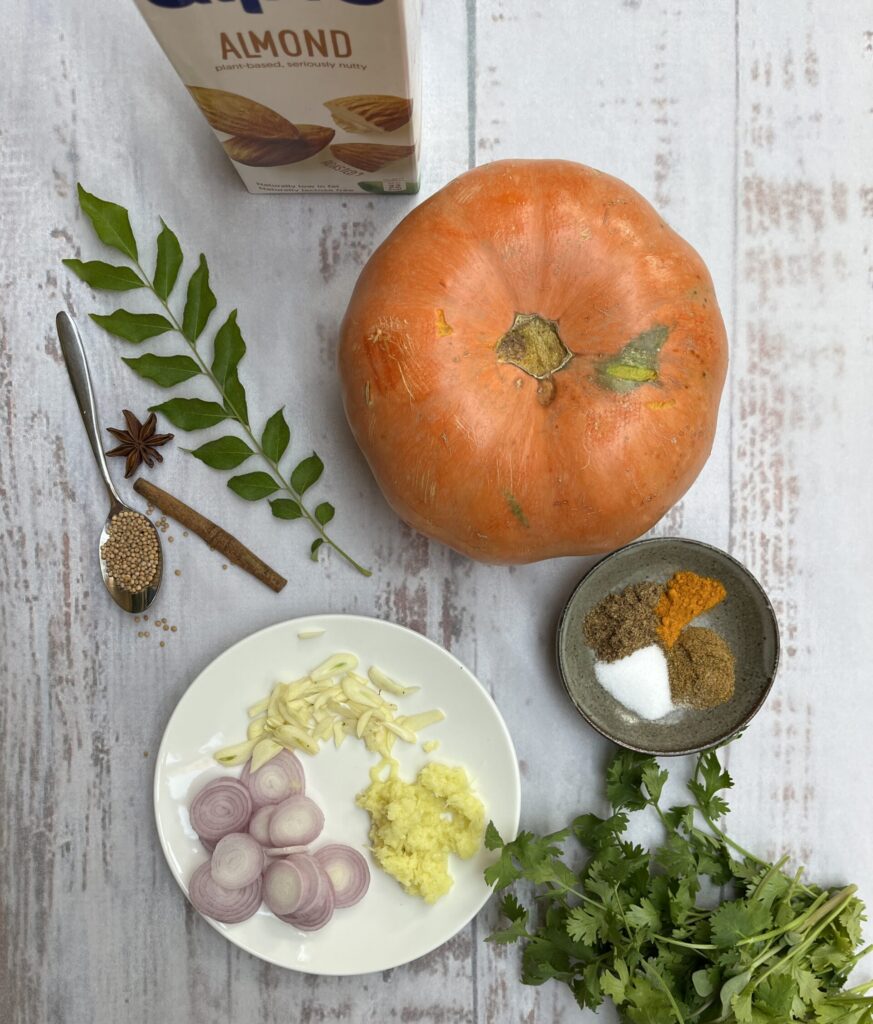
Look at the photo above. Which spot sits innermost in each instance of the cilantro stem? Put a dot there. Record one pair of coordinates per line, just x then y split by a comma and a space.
821, 918
285, 484
784, 929
685, 945
771, 871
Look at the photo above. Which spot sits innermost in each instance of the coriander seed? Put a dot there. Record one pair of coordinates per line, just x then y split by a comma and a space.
131, 551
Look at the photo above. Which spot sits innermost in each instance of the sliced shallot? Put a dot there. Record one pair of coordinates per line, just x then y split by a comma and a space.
285, 887
238, 860
282, 776
314, 914
283, 851
296, 821
221, 807
259, 824
229, 906
347, 871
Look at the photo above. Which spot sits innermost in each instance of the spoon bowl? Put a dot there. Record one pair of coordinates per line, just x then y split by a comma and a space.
130, 601
80, 377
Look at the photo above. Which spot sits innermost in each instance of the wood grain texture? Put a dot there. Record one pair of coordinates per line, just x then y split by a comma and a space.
748, 123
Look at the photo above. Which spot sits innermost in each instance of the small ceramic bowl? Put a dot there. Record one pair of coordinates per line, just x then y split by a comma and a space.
745, 619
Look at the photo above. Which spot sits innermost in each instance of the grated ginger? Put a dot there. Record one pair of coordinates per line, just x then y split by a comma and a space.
416, 825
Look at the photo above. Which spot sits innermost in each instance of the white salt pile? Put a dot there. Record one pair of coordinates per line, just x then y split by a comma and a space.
640, 682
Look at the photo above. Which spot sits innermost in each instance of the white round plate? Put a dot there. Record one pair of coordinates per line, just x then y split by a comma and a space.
388, 927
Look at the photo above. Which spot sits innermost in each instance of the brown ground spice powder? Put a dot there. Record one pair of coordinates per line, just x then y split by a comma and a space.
701, 667
623, 623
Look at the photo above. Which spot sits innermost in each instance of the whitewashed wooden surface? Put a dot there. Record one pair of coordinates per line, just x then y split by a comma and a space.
750, 124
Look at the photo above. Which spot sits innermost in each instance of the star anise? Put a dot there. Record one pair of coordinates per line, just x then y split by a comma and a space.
139, 443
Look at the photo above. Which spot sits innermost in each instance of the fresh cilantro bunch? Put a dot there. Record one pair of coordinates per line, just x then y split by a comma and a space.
630, 924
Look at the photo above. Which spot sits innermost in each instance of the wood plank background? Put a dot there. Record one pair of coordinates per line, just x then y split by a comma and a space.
750, 124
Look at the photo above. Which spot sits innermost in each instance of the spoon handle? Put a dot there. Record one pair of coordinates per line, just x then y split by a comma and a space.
80, 378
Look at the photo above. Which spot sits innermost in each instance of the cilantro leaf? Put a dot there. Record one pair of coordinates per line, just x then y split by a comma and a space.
583, 925
776, 994
511, 908
730, 993
738, 919
492, 837
709, 780
654, 779
644, 915
527, 856
649, 1003
594, 832
624, 780
615, 985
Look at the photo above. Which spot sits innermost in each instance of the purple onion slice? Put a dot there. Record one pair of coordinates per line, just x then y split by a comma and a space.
221, 807
347, 871
238, 860
283, 851
296, 821
320, 911
229, 906
282, 776
286, 887
259, 824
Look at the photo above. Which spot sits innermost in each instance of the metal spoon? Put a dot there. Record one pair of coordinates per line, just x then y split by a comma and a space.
80, 378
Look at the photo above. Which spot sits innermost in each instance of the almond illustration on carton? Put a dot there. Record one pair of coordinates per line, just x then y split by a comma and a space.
368, 156
236, 115
255, 152
370, 113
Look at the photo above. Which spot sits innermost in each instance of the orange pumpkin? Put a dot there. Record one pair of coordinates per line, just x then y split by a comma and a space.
532, 363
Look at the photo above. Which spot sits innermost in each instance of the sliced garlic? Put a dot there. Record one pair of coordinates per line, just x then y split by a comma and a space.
236, 753
335, 664
256, 728
383, 682
333, 701
415, 723
263, 751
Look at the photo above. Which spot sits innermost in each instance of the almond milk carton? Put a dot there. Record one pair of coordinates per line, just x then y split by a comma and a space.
305, 95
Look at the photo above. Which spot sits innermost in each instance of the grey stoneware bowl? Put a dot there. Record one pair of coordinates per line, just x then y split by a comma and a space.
745, 619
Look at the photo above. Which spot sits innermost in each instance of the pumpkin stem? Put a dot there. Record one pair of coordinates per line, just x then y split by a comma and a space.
534, 345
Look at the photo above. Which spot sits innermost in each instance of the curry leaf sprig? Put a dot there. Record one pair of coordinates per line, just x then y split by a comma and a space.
636, 925
112, 225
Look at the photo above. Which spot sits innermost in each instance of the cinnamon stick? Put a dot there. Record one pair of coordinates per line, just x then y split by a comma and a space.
214, 536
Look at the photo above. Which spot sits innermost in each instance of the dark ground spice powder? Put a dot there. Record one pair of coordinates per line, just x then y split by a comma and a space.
623, 623
701, 667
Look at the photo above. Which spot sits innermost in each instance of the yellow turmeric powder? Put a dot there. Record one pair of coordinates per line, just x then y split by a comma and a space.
686, 596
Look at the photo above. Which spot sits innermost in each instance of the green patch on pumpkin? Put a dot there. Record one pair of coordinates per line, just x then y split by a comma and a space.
636, 363
515, 508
